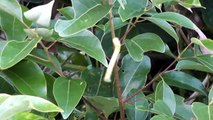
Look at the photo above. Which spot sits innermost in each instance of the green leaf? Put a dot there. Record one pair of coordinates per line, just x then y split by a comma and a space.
50, 81
132, 9
87, 42
210, 97
206, 60
11, 52
134, 50
159, 2
44, 59
161, 117
176, 18
106, 104
38, 15
192, 65
5, 86
165, 26
190, 3
133, 113
68, 93
207, 43
12, 26
85, 20
11, 7
133, 74
160, 107
144, 40
67, 12
184, 80
28, 78
202, 111
27, 116
183, 110
20, 103
165, 93
118, 23
95, 85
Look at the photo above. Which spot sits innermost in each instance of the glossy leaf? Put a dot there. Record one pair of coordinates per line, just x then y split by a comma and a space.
102, 103
192, 65
44, 59
85, 20
20, 103
184, 80
11, 7
144, 40
133, 113
67, 12
176, 18
95, 85
28, 80
133, 74
183, 110
118, 23
206, 60
38, 15
159, 2
12, 26
68, 93
132, 9
11, 52
87, 42
190, 3
165, 93
207, 43
202, 111
210, 96
134, 50
160, 107
165, 26
161, 117
27, 116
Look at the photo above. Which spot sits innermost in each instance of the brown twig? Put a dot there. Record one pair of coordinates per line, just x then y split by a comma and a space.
160, 74
129, 28
117, 79
99, 112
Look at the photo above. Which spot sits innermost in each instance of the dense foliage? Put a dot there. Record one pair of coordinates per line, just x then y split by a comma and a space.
105, 59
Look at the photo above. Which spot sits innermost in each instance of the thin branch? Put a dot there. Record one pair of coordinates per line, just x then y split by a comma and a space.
129, 28
117, 79
50, 59
156, 78
99, 112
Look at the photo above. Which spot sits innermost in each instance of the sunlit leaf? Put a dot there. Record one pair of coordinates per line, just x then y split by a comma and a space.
11, 52
165, 93
20, 103
12, 26
11, 7
87, 42
84, 17
202, 111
